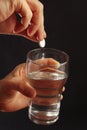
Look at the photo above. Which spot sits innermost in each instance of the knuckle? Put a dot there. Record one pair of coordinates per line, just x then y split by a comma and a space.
30, 15
41, 6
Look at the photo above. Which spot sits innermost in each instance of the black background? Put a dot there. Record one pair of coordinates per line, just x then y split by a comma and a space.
66, 27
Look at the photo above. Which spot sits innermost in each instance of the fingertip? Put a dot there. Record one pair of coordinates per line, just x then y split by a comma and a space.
44, 34
61, 97
41, 36
28, 32
63, 89
20, 27
30, 91
31, 30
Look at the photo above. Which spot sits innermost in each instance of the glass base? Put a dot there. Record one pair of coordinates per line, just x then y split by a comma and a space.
44, 115
42, 122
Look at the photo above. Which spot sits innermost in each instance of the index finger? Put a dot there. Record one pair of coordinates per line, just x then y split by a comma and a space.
42, 64
47, 62
37, 9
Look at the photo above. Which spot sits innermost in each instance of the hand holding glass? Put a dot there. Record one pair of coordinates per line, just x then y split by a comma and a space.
47, 72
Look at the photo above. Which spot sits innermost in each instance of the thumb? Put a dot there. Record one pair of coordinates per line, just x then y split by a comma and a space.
23, 87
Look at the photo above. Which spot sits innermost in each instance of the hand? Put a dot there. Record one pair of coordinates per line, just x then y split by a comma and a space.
15, 90
31, 24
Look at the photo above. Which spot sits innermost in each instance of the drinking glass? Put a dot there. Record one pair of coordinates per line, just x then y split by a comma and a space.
47, 72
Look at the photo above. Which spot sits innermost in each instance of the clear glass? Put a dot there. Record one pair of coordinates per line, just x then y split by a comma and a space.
48, 78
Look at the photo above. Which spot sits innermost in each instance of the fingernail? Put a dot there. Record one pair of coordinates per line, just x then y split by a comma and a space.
28, 33
13, 31
22, 22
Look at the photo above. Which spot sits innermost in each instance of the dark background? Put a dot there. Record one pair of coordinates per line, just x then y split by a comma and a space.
66, 27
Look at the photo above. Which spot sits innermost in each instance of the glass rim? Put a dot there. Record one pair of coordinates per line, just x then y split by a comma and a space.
57, 50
